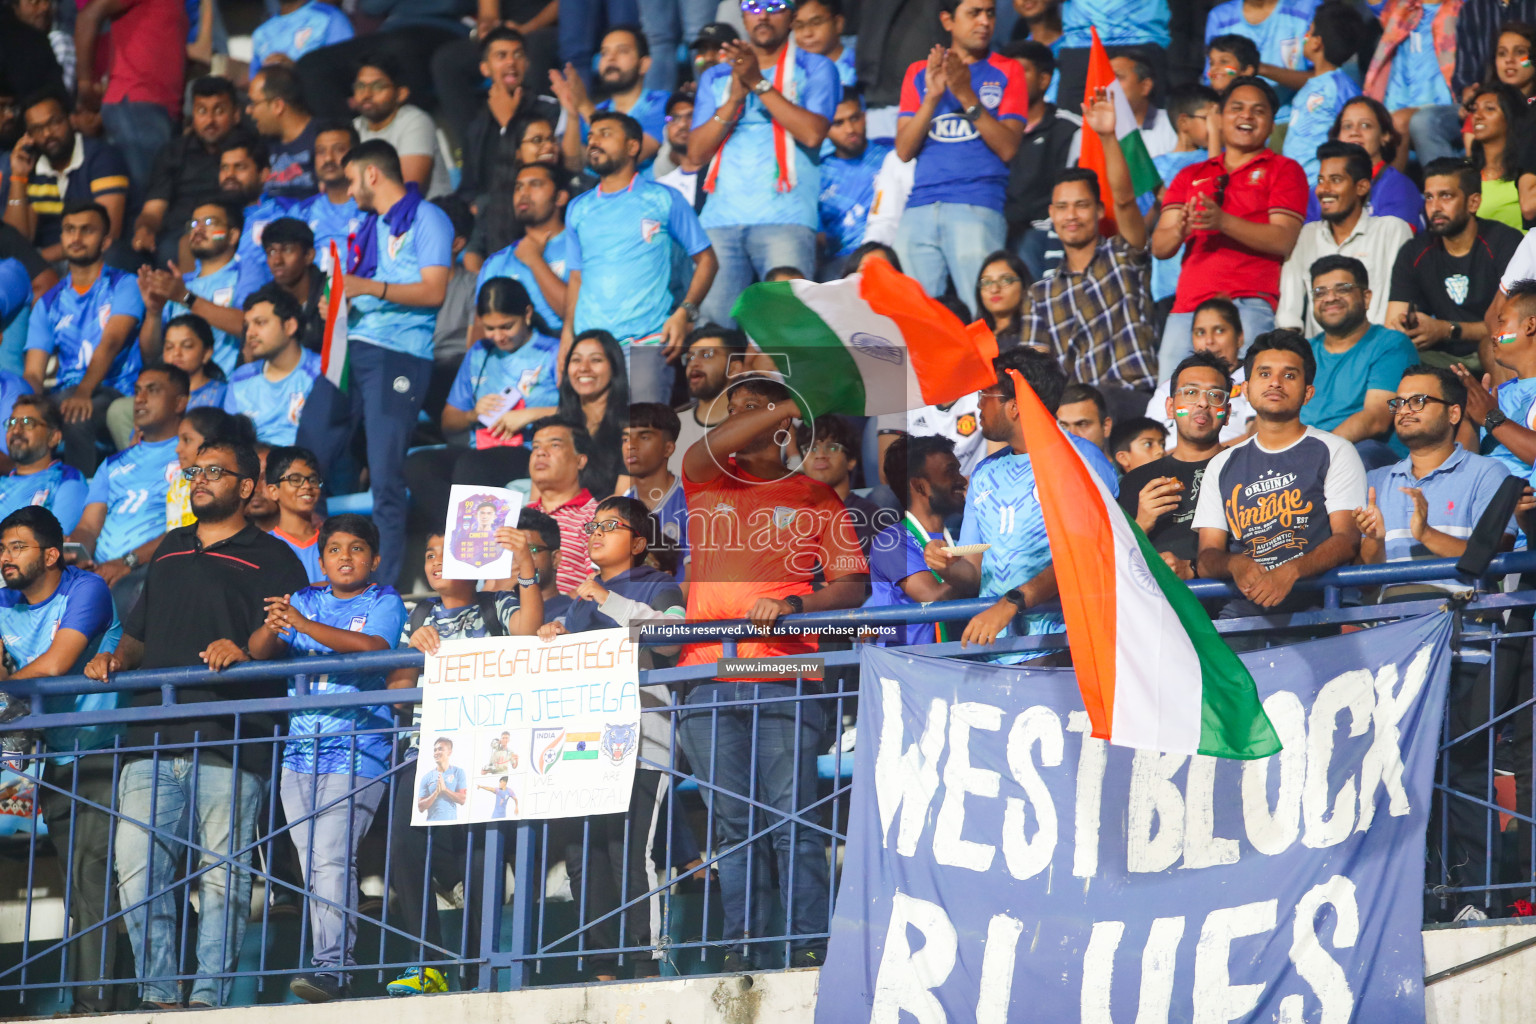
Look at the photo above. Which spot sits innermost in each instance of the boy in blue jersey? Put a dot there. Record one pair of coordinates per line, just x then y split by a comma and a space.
243, 174
623, 62
33, 431
619, 241
299, 27
818, 28
350, 615
53, 620
537, 260
1278, 29
211, 290
759, 118
293, 481
847, 184
274, 386
90, 321
1507, 415
124, 517
1332, 39
1002, 508
331, 213
649, 442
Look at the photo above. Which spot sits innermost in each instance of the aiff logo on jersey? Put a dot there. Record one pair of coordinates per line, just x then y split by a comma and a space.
648, 228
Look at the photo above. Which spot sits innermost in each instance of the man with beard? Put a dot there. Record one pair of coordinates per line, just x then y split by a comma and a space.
211, 290
1448, 276
55, 618
1161, 495
847, 184
1358, 363
331, 213
52, 160
1347, 229
32, 434
276, 105
672, 167
619, 256
383, 110
186, 171
712, 357
537, 260
623, 62
513, 97
273, 386
124, 518
243, 174
1301, 521
759, 119
203, 598
90, 321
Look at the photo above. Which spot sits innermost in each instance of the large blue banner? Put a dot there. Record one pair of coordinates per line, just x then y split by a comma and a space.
1003, 866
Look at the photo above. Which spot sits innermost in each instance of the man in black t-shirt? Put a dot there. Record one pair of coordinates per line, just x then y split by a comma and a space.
1161, 495
1446, 276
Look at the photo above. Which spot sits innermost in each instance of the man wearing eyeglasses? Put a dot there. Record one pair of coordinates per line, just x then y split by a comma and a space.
384, 111
278, 108
1358, 363
212, 286
33, 432
124, 518
273, 387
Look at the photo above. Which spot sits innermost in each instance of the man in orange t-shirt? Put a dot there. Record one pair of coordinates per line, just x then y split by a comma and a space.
757, 533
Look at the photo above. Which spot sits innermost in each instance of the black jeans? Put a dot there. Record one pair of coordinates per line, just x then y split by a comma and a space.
609, 861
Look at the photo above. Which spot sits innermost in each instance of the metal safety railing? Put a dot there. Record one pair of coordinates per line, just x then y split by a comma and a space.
197, 869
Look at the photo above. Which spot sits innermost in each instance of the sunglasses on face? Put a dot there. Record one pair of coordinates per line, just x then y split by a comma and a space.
765, 6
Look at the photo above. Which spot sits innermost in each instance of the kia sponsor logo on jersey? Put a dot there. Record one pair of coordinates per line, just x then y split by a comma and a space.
952, 128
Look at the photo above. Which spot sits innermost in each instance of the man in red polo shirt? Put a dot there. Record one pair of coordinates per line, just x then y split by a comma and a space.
757, 532
1235, 217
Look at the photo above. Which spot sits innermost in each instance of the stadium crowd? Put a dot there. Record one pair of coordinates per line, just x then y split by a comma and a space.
1276, 283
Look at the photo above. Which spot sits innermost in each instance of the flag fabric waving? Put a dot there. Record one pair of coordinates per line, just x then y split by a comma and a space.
333, 350
868, 344
1144, 176
1153, 671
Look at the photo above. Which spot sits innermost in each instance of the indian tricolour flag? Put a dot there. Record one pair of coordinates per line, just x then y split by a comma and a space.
333, 349
1153, 671
868, 344
1144, 176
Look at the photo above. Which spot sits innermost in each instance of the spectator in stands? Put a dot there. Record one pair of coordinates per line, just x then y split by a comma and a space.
90, 321
198, 427
54, 162
1193, 111
830, 455
39, 14
649, 443
1048, 135
332, 213
243, 175
289, 247
33, 432
847, 183
607, 858
188, 346
292, 480
1511, 63
384, 112
514, 98
1498, 110
55, 618
1137, 441
1135, 74
1142, 24
560, 450
1162, 495
1437, 130
1448, 275
1218, 331
299, 27
623, 61
1095, 313
673, 167
1235, 216
1366, 123
1411, 68
273, 387
1265, 539
537, 261
766, 97
1230, 56
1330, 42
1348, 229
145, 73
211, 290
712, 357
1505, 414
1002, 509
594, 391
277, 106
203, 597
747, 563
1280, 37
619, 240
186, 170
1000, 294
925, 475
323, 785
124, 518
1082, 411
963, 112
818, 28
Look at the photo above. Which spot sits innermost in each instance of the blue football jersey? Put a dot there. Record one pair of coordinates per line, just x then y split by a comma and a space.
330, 223
504, 263
1314, 108
672, 513
308, 554
487, 370
12, 387
211, 393
69, 325
254, 271
273, 405
1517, 401
847, 193
1120, 22
428, 242
1415, 79
60, 489
133, 484
222, 288
298, 32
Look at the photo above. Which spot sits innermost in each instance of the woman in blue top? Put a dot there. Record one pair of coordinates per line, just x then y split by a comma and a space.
188, 345
1366, 123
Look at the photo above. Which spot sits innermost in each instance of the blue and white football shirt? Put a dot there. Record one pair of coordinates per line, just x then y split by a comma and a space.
273, 405
133, 484
69, 325
428, 242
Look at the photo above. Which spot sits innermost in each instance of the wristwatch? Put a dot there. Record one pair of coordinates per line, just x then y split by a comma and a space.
1455, 332
972, 113
761, 86
796, 605
1017, 597
1494, 420
131, 560
691, 311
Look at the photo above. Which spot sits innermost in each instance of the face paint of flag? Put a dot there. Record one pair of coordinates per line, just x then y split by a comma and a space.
581, 746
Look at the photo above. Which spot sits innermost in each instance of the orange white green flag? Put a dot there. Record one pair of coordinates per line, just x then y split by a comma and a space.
333, 347
1153, 671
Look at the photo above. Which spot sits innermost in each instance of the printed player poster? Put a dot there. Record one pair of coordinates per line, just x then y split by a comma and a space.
474, 514
516, 727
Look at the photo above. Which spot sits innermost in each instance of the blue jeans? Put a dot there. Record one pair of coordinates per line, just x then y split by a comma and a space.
582, 25
949, 241
1436, 132
720, 746
327, 843
661, 21
1178, 335
747, 252
138, 130
202, 804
